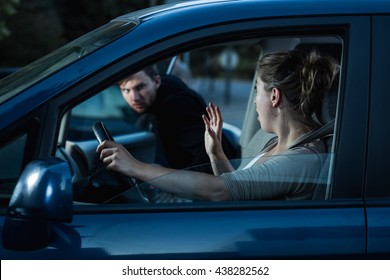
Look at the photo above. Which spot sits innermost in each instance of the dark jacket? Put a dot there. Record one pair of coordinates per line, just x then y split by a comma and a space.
177, 113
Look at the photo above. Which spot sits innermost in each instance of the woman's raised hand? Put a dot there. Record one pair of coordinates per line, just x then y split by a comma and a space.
213, 130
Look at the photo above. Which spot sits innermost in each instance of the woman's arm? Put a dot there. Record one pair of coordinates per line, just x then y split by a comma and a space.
189, 184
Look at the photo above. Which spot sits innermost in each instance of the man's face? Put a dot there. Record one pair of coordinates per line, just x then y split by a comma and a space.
139, 91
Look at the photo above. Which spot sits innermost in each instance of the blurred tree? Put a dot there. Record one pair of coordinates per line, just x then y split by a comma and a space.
40, 26
35, 31
79, 16
7, 8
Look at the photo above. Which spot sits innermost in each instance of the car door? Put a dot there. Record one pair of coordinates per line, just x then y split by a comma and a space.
377, 188
276, 229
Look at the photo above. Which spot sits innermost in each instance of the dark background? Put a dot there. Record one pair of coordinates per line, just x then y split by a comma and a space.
30, 29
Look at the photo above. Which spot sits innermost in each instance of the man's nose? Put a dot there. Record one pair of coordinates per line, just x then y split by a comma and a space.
135, 94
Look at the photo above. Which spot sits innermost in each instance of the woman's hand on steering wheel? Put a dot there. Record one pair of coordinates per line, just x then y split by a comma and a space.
115, 157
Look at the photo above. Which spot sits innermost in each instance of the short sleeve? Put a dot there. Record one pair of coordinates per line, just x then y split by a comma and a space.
287, 176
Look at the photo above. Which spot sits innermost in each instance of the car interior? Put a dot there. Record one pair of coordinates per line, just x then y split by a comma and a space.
77, 143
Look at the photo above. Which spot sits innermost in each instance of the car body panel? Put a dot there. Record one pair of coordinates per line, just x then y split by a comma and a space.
378, 232
265, 233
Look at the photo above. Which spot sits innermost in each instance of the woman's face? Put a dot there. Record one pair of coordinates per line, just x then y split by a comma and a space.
263, 105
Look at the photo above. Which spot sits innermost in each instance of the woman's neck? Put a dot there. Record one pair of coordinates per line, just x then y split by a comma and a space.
287, 135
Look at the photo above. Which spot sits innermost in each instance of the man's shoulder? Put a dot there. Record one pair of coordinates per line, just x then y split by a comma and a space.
173, 90
171, 82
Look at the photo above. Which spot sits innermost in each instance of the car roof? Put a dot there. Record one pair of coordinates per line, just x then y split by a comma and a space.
260, 8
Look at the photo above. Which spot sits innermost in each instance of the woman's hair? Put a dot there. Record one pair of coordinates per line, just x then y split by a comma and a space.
302, 78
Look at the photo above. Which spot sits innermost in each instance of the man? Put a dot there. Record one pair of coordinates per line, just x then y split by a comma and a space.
175, 113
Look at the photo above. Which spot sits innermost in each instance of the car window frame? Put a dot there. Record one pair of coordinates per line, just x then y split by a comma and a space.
324, 25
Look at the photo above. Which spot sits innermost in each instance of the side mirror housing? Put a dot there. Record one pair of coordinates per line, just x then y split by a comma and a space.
42, 195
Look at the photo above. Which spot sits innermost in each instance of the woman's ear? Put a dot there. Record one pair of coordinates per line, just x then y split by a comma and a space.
276, 97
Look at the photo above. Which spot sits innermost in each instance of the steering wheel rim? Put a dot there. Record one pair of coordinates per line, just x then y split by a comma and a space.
102, 133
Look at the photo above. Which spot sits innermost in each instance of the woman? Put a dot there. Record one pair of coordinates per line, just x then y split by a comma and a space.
290, 88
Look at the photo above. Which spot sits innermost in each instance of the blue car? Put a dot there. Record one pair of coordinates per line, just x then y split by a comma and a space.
47, 145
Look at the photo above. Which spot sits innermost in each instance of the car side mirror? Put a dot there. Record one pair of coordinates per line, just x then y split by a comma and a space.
42, 195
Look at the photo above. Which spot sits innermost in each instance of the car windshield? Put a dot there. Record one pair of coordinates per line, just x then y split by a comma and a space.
36, 71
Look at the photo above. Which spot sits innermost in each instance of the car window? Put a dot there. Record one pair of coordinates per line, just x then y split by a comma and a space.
13, 156
108, 106
222, 74
12, 152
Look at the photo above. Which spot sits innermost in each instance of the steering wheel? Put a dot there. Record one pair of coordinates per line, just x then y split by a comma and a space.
132, 192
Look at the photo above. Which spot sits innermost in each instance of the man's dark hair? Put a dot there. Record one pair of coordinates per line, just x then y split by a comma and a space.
151, 71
